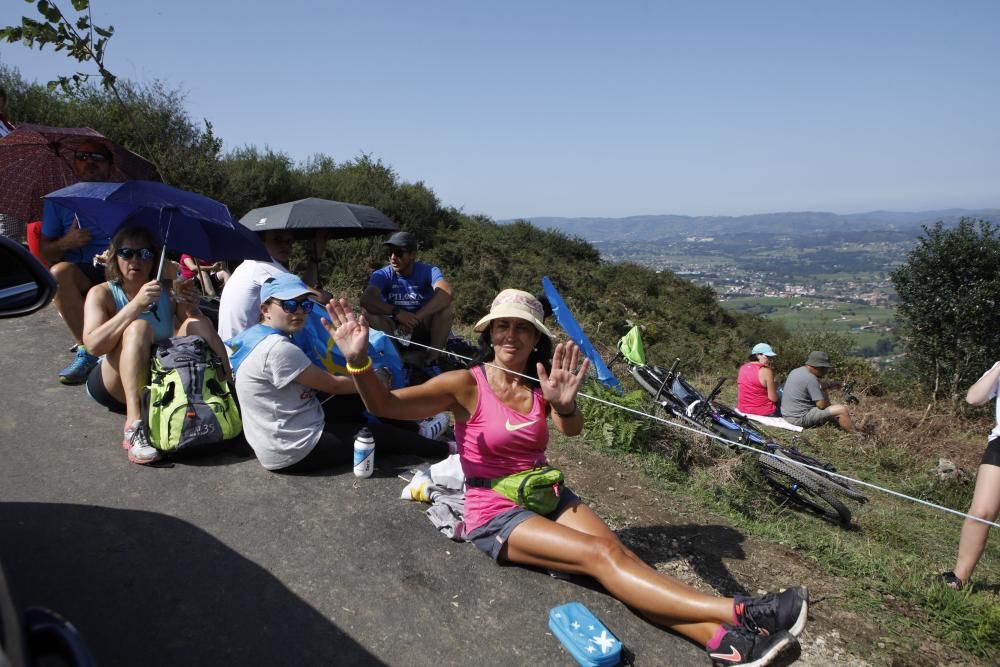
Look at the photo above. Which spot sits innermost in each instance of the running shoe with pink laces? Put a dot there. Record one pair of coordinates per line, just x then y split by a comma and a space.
136, 443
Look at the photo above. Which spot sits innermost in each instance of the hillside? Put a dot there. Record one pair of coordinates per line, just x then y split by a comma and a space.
794, 224
480, 258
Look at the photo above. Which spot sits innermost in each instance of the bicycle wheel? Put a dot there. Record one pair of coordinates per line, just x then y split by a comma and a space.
834, 484
803, 487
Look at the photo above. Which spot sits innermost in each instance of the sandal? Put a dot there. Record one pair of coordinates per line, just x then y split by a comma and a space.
951, 581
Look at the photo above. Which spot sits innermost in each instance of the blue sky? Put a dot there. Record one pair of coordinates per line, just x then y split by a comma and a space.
593, 108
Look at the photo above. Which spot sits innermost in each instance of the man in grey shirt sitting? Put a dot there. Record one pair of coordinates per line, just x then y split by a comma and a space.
804, 401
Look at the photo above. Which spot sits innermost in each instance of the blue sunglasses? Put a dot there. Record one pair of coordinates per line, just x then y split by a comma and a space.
291, 305
129, 253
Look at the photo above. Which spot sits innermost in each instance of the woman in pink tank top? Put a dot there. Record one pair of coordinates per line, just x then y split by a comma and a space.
756, 392
501, 408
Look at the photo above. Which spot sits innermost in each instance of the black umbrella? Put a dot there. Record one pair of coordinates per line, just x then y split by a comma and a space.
337, 219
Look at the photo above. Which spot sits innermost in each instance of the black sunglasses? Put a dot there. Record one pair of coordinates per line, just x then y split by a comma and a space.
83, 156
128, 253
291, 305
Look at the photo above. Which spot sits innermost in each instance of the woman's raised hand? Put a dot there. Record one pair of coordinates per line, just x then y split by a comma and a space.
348, 330
559, 387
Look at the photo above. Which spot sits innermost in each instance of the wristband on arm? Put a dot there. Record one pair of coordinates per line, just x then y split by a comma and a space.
572, 413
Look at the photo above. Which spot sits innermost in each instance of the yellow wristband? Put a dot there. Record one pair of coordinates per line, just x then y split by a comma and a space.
361, 369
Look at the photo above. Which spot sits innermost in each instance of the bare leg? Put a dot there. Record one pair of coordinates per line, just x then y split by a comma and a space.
570, 545
206, 283
110, 374
69, 296
985, 505
133, 365
843, 417
383, 323
440, 327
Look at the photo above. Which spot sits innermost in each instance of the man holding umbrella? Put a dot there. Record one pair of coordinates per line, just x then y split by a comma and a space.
410, 297
70, 244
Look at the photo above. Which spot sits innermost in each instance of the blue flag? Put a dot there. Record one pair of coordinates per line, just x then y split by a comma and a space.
320, 348
570, 326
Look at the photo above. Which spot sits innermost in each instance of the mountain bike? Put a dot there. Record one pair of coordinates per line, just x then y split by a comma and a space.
810, 487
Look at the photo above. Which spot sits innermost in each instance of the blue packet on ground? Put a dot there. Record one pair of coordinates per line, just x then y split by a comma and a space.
584, 636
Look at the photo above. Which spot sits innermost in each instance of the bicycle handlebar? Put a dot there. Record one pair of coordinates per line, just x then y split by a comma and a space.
668, 379
715, 392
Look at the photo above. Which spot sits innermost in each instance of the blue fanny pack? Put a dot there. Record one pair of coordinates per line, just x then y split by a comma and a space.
584, 636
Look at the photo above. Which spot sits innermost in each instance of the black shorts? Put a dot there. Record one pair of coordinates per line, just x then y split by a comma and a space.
97, 391
335, 447
992, 454
95, 274
492, 535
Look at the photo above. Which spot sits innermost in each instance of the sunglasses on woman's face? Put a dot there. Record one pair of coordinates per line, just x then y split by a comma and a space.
129, 253
291, 305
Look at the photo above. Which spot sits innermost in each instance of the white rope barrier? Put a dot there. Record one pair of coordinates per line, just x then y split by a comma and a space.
730, 443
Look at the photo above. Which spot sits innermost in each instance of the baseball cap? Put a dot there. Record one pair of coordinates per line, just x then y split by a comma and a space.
402, 240
284, 286
763, 348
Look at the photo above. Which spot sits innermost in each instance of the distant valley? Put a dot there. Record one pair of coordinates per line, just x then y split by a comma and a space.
812, 270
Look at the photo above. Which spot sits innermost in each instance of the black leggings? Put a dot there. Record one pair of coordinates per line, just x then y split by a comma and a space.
336, 446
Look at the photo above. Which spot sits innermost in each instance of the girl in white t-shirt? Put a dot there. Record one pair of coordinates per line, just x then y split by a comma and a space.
277, 384
986, 498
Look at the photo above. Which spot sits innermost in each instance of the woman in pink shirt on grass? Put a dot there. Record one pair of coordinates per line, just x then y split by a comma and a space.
756, 392
501, 407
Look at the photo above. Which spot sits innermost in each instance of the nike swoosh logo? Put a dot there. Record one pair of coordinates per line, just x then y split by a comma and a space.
733, 655
518, 427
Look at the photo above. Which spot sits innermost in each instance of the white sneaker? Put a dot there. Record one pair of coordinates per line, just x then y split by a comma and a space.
137, 444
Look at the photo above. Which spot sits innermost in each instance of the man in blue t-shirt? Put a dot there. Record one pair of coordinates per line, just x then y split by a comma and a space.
70, 244
410, 297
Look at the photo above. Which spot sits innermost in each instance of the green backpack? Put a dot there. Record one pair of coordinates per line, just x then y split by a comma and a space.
188, 405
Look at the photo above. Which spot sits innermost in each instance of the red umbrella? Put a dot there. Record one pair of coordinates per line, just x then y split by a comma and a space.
36, 160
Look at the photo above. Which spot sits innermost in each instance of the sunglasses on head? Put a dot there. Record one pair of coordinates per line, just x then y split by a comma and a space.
129, 253
85, 156
291, 305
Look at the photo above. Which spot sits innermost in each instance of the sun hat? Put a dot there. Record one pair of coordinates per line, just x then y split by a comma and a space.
819, 360
515, 303
402, 240
763, 348
283, 286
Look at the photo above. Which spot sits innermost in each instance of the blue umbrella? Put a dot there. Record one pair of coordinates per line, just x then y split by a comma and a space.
182, 221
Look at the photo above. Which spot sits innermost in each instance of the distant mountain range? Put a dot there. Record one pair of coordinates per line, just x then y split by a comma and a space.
648, 228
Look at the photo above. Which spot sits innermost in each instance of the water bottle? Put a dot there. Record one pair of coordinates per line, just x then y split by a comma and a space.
364, 453
432, 427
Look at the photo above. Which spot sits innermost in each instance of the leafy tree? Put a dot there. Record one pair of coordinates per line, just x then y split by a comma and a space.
948, 297
83, 41
64, 33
